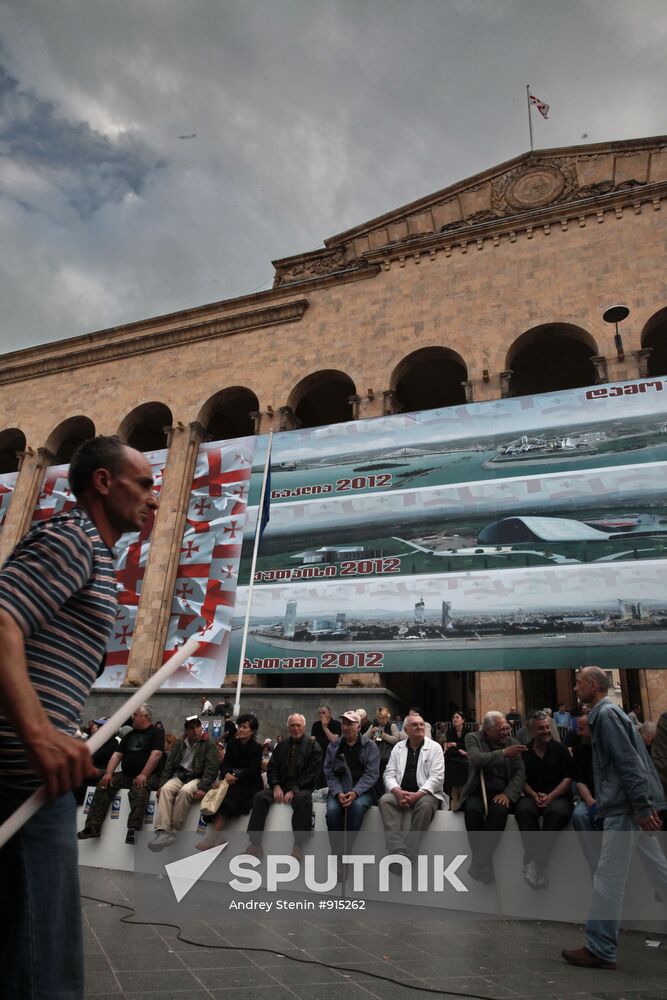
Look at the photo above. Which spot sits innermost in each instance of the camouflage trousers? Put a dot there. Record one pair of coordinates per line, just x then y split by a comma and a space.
138, 797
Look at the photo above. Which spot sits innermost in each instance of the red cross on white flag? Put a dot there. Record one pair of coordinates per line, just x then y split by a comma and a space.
540, 105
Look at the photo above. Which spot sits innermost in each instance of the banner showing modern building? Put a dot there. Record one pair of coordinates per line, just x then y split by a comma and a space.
529, 533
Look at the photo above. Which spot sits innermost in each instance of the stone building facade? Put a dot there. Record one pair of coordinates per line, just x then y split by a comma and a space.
492, 287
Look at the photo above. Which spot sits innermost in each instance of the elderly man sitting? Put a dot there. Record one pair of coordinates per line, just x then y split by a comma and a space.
413, 780
497, 777
190, 770
292, 773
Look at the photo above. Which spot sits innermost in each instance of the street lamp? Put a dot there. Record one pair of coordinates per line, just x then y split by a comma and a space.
616, 315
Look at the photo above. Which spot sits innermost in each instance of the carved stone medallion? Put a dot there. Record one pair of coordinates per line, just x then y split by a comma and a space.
532, 186
536, 187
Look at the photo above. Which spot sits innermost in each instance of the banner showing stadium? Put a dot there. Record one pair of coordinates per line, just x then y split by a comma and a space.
514, 534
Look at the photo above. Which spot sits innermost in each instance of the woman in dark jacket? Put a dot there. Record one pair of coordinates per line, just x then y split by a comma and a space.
243, 773
456, 759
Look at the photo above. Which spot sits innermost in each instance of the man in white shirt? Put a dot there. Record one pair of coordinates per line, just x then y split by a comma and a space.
413, 780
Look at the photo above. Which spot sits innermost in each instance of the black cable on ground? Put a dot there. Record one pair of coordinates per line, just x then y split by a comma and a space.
272, 951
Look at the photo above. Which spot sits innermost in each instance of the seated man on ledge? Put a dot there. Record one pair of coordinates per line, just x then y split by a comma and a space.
414, 777
140, 757
351, 767
497, 771
292, 773
546, 806
189, 772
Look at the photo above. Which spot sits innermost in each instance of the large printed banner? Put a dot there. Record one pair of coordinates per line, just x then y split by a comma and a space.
210, 554
519, 533
7, 484
205, 590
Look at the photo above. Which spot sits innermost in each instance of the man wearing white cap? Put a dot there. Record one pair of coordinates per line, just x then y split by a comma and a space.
351, 767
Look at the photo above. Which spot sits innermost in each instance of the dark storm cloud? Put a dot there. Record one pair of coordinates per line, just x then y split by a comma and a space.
308, 117
87, 167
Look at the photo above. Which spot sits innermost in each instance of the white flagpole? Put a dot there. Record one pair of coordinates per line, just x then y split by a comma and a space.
530, 120
258, 528
105, 732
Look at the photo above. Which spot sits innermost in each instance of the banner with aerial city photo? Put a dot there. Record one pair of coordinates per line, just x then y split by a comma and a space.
519, 533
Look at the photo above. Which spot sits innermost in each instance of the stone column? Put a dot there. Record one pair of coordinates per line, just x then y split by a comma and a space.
371, 405
565, 687
505, 380
653, 687
390, 403
641, 358
159, 580
288, 421
498, 690
355, 403
265, 421
468, 389
26, 491
600, 364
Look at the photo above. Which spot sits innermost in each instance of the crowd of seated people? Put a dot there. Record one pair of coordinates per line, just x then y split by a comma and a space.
487, 773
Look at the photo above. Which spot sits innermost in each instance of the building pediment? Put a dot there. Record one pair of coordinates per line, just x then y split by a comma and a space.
530, 187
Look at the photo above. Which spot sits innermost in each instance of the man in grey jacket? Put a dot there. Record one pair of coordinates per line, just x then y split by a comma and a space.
629, 795
497, 777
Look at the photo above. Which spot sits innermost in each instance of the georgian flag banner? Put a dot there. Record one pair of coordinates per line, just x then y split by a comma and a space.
205, 590
540, 105
7, 484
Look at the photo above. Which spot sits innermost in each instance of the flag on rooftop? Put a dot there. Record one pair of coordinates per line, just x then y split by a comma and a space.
540, 105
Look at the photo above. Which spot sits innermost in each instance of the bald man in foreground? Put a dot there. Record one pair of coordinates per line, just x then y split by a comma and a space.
629, 796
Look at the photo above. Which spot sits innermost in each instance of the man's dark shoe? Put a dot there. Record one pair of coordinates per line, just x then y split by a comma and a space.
481, 873
87, 834
129, 839
585, 959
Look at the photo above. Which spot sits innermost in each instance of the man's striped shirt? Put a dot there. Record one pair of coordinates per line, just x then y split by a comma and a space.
59, 587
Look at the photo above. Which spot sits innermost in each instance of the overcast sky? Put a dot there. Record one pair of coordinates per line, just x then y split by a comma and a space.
157, 154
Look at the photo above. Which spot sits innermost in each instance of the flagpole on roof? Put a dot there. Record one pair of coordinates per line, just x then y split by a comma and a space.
530, 120
261, 523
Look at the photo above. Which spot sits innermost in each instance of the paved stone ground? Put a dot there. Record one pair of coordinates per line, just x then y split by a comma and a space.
443, 951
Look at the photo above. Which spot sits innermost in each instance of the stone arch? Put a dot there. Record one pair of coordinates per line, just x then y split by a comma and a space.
12, 440
227, 413
428, 379
67, 436
322, 398
551, 357
145, 427
654, 335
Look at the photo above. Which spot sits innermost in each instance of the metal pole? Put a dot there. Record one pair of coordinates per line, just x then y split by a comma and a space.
530, 120
105, 732
258, 527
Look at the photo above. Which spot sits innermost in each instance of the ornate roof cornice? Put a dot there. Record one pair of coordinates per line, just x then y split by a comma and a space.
533, 189
19, 366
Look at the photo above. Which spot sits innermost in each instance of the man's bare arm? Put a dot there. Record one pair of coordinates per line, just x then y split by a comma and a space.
60, 760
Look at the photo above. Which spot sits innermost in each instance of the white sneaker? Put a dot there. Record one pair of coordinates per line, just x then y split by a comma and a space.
163, 838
